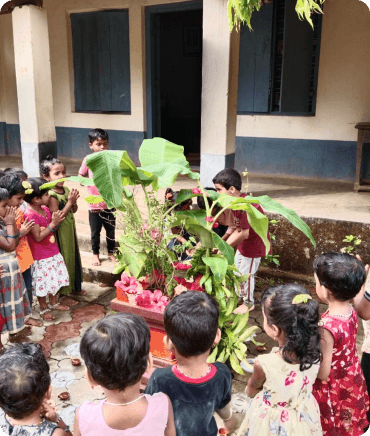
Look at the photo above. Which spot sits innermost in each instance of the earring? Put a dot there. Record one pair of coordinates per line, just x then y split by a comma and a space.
92, 387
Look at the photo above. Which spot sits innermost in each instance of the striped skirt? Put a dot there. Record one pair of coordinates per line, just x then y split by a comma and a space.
14, 304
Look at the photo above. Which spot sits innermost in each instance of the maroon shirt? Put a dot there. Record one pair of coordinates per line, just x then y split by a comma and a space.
253, 246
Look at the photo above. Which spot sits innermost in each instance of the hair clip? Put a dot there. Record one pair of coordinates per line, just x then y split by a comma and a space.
301, 298
28, 187
169, 195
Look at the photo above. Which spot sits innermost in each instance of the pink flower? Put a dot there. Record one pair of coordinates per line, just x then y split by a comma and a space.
209, 219
143, 300
283, 404
144, 282
145, 226
127, 284
284, 416
196, 191
152, 300
290, 379
181, 266
215, 225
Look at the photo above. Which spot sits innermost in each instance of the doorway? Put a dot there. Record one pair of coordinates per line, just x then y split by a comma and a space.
174, 70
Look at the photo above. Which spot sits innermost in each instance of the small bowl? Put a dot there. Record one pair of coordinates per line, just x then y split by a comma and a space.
76, 362
64, 396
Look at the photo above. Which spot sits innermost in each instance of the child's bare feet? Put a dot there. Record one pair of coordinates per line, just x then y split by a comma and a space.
96, 260
68, 302
243, 309
34, 322
112, 258
46, 314
53, 303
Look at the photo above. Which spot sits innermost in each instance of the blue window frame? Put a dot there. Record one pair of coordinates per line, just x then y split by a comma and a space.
101, 55
278, 65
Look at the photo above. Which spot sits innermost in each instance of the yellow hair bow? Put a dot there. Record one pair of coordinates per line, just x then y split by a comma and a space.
301, 298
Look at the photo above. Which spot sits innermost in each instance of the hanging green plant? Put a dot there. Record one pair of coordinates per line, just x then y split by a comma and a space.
240, 11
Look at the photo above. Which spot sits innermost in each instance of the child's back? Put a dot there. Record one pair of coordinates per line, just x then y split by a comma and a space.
197, 389
116, 354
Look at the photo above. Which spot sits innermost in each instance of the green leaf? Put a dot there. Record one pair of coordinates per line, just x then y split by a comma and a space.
224, 247
166, 173
239, 354
231, 306
231, 337
85, 181
222, 356
94, 199
197, 214
119, 267
234, 362
241, 324
52, 184
218, 266
257, 344
248, 333
213, 355
274, 206
159, 150
208, 286
186, 194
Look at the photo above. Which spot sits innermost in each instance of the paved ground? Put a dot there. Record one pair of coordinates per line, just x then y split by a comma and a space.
335, 200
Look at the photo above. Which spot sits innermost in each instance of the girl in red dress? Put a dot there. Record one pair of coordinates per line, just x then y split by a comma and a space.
340, 388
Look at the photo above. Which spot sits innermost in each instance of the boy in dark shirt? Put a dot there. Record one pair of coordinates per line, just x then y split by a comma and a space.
196, 389
250, 247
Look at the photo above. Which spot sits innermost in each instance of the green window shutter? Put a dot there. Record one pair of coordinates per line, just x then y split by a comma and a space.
101, 55
86, 61
254, 62
120, 61
297, 62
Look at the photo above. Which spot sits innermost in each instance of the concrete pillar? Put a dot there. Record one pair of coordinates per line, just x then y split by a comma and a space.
34, 88
219, 91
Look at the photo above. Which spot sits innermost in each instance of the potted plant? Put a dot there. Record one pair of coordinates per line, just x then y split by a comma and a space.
148, 267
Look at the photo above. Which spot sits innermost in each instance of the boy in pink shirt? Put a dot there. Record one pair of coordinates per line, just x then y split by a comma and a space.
250, 247
99, 214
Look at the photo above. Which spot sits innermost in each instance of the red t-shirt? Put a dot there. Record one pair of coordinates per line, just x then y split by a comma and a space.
253, 246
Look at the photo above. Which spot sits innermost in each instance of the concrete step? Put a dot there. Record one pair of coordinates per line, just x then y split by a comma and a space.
98, 274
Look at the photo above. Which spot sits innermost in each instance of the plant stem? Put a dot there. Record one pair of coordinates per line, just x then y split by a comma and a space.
147, 204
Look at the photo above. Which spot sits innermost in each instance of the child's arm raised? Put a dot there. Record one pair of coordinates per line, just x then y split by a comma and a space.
326, 344
170, 429
73, 196
9, 243
256, 381
26, 227
39, 234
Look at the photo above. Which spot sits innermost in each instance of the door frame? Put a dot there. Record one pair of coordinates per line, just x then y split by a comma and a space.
150, 54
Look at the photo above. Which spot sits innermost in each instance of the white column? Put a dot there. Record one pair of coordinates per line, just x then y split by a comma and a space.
219, 91
34, 87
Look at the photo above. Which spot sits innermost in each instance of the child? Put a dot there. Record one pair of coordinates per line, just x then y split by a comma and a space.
61, 198
250, 247
99, 214
116, 354
13, 184
182, 235
221, 228
49, 272
281, 383
14, 304
25, 393
197, 389
340, 388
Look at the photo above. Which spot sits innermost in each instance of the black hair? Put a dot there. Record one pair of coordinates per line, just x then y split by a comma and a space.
341, 273
12, 183
17, 171
24, 379
46, 164
4, 194
2, 173
200, 199
35, 183
8, 170
171, 196
98, 134
228, 178
191, 322
299, 322
116, 349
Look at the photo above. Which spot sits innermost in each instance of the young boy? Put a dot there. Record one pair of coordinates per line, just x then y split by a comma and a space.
250, 247
99, 214
25, 393
196, 389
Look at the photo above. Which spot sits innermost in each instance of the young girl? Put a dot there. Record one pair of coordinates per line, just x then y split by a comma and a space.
61, 198
49, 272
341, 388
25, 393
14, 304
12, 182
116, 354
281, 383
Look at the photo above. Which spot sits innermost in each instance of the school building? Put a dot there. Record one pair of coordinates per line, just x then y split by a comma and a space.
281, 100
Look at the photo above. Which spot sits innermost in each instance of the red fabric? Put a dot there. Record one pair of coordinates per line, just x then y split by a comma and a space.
195, 381
253, 246
343, 397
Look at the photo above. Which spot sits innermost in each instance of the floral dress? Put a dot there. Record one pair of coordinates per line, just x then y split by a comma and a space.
285, 406
343, 398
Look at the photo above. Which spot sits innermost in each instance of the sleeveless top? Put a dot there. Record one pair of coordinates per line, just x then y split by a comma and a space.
46, 428
154, 423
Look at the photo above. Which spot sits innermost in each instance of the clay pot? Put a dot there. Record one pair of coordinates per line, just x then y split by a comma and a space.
64, 396
76, 362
